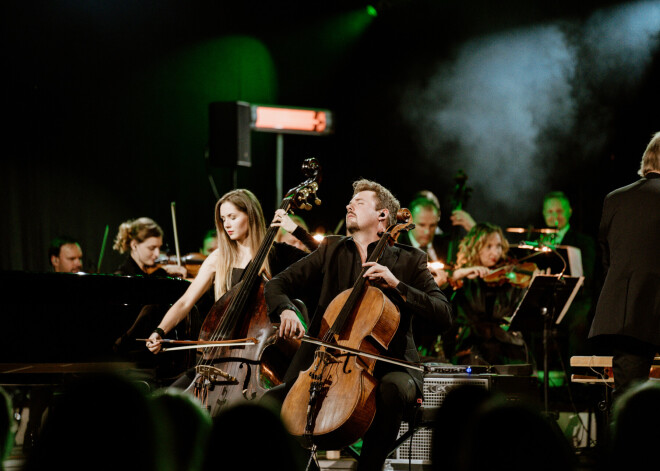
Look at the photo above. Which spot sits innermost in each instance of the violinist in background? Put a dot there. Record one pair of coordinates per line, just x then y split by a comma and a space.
401, 274
483, 305
241, 228
142, 238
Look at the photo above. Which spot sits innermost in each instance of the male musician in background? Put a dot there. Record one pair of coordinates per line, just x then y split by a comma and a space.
628, 310
573, 330
403, 276
557, 213
210, 242
65, 255
287, 237
426, 236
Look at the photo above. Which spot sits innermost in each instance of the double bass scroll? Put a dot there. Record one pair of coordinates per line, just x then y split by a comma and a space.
459, 198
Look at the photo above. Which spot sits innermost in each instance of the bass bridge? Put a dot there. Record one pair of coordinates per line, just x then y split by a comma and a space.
214, 375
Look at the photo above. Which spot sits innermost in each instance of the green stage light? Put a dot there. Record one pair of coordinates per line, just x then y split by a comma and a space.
371, 10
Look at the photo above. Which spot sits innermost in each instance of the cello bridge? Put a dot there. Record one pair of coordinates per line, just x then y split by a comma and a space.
326, 357
213, 374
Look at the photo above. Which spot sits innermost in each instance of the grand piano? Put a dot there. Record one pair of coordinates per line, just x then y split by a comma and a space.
58, 324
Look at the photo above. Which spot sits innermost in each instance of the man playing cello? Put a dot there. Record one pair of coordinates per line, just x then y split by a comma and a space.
402, 275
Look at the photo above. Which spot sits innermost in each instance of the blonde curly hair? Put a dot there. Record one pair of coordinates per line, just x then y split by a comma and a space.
474, 241
139, 229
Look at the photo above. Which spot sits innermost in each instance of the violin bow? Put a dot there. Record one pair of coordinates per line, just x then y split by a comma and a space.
105, 241
176, 235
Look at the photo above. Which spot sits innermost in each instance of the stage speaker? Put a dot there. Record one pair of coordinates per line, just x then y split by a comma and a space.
229, 134
436, 387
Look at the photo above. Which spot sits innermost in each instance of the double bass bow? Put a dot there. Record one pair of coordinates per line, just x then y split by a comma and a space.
332, 403
226, 374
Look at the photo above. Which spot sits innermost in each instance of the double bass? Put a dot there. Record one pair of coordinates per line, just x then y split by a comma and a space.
227, 374
459, 198
332, 403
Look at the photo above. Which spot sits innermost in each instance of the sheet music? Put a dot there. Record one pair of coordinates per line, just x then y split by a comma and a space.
571, 297
531, 302
574, 256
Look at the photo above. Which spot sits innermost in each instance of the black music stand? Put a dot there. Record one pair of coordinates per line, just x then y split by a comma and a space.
546, 301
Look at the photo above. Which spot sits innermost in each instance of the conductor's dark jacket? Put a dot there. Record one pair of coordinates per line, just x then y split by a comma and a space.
629, 235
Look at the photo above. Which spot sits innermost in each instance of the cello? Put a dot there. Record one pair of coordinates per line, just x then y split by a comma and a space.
333, 402
227, 374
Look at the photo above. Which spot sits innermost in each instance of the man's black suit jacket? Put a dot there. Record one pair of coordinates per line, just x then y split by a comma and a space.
333, 268
440, 244
629, 235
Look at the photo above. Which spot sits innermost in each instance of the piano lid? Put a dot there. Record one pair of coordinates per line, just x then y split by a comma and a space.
71, 288
61, 317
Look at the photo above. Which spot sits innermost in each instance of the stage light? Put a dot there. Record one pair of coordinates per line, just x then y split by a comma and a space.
291, 120
371, 11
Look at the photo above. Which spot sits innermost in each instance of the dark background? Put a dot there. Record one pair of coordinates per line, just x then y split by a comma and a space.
106, 112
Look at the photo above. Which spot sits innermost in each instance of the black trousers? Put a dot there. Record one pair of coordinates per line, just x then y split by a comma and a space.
631, 362
396, 396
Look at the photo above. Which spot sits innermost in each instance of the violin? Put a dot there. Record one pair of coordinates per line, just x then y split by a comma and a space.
516, 273
333, 402
191, 262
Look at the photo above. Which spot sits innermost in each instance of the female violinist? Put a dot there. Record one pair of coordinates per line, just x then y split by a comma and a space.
335, 267
142, 238
241, 228
484, 298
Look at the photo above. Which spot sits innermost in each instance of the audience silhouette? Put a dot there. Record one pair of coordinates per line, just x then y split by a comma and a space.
512, 436
7, 427
251, 436
450, 426
634, 415
104, 422
110, 422
189, 427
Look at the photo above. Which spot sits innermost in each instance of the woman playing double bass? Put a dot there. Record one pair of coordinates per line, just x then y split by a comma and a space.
241, 228
402, 275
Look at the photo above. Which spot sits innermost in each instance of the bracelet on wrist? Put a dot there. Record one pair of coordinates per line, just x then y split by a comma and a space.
159, 331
